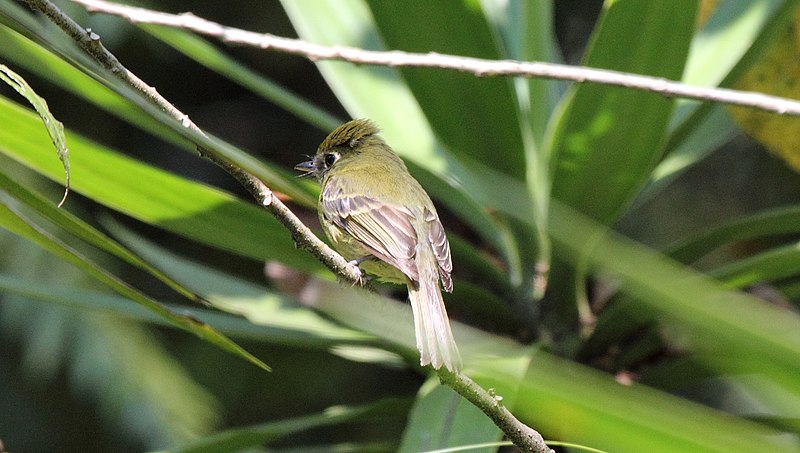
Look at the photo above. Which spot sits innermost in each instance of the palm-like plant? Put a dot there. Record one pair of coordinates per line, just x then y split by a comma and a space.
535, 176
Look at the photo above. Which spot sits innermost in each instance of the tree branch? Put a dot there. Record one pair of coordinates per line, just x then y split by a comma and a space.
477, 66
523, 436
303, 237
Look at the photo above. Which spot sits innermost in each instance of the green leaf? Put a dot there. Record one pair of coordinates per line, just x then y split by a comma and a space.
154, 196
277, 178
209, 56
266, 433
773, 222
54, 127
484, 125
277, 313
769, 266
13, 221
734, 38
87, 233
561, 398
441, 418
726, 321
600, 159
602, 413
379, 93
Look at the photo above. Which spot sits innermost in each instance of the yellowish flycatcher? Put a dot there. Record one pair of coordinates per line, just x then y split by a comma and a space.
379, 217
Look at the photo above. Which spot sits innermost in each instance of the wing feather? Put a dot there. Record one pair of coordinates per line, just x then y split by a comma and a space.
441, 249
385, 230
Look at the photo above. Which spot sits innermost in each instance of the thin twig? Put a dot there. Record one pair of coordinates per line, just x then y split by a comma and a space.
477, 66
522, 435
303, 237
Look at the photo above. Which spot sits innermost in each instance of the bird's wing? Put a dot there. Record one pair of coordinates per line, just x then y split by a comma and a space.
385, 230
441, 248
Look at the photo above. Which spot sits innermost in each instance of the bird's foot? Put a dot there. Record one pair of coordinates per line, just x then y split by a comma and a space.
362, 278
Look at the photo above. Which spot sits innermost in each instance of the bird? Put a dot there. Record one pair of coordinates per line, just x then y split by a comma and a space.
380, 218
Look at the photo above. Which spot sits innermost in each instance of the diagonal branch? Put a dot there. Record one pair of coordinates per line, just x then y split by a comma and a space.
302, 235
477, 66
522, 435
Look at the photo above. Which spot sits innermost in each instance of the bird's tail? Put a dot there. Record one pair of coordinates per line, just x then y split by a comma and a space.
431, 325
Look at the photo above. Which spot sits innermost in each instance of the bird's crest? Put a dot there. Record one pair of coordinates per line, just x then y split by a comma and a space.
350, 134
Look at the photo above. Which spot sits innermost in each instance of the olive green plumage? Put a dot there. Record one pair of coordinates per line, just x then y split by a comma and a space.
377, 214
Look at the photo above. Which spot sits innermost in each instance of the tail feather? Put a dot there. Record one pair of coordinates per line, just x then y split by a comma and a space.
432, 327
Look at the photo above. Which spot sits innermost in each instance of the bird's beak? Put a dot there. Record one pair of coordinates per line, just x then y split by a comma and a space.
305, 167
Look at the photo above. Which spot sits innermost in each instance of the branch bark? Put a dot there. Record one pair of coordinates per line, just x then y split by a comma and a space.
303, 237
477, 66
522, 435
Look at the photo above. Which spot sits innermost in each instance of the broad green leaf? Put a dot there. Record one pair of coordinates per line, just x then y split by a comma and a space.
54, 127
607, 139
49, 66
441, 418
724, 321
277, 313
483, 123
154, 196
13, 221
591, 408
277, 178
602, 413
604, 141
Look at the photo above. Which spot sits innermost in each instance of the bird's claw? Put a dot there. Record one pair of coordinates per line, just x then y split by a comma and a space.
362, 278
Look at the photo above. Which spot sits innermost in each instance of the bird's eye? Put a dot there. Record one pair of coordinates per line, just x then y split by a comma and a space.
330, 158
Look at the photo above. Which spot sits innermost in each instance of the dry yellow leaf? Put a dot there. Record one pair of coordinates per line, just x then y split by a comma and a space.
777, 72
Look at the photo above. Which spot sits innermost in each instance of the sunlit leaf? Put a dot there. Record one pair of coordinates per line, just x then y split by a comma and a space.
54, 127
154, 196
599, 158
